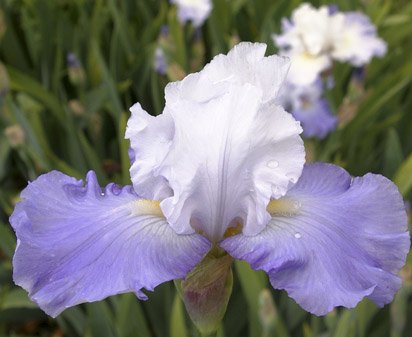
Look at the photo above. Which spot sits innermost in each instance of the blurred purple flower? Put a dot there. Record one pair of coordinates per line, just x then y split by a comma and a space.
72, 60
333, 9
222, 165
76, 72
307, 105
160, 62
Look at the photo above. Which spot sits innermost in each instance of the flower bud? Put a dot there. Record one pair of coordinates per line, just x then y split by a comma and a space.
15, 135
76, 107
206, 291
76, 72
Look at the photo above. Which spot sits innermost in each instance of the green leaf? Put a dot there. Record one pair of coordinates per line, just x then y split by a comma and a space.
16, 298
101, 322
130, 318
177, 319
403, 176
7, 240
252, 282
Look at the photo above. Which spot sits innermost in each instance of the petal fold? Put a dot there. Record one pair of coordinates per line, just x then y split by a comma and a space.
332, 240
244, 64
229, 156
81, 243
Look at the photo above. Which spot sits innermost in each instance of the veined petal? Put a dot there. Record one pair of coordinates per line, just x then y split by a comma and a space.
244, 64
332, 240
228, 157
81, 243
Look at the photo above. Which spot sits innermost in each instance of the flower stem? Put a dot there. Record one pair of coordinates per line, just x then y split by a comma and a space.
213, 334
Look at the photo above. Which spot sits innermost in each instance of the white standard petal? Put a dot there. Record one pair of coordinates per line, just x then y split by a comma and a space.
310, 30
150, 139
244, 64
305, 68
228, 157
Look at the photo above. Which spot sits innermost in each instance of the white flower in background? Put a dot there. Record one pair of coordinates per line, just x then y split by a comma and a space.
358, 42
314, 37
196, 11
307, 39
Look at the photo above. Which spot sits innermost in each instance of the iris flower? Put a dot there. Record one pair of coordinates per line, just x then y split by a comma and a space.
222, 166
313, 38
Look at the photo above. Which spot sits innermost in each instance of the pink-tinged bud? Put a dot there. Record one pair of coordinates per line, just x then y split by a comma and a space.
206, 291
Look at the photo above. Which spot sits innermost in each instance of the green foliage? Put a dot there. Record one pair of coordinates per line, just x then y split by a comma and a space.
72, 119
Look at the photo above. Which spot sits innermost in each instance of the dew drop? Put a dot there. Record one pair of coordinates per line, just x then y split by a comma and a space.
291, 177
296, 205
298, 235
275, 191
272, 164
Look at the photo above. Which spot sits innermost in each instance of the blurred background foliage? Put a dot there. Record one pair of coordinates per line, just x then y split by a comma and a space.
69, 70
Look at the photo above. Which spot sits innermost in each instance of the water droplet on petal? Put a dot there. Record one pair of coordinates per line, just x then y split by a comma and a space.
291, 177
275, 191
272, 164
298, 235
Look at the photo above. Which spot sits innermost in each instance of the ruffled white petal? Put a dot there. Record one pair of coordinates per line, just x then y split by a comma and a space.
229, 156
245, 63
222, 147
358, 42
150, 139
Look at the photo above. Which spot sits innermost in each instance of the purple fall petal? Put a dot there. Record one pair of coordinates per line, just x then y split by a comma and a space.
80, 243
340, 239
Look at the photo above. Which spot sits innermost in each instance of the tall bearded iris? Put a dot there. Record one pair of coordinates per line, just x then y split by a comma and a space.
313, 38
223, 166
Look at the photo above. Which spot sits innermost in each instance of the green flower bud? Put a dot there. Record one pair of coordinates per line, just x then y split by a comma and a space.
206, 290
